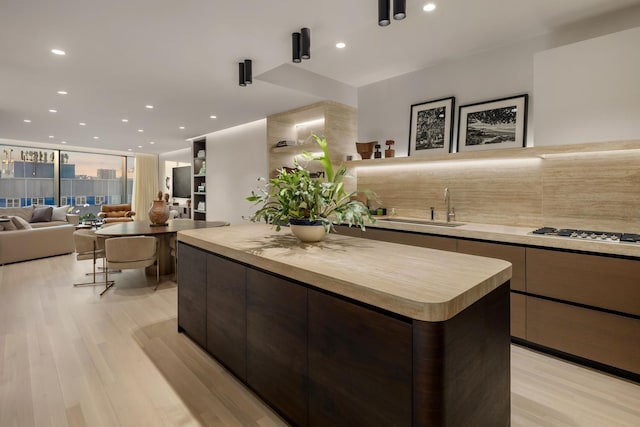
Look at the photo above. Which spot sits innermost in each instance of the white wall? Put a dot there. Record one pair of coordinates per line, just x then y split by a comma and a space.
589, 91
236, 157
384, 107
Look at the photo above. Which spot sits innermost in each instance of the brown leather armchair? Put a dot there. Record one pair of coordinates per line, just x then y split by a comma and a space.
116, 213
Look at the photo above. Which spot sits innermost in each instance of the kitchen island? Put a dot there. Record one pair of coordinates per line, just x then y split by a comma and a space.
351, 331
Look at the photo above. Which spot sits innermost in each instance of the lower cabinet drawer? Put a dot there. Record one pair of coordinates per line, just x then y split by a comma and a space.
601, 337
412, 239
518, 315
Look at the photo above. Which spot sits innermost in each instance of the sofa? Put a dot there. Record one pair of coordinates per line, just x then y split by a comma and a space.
40, 237
116, 213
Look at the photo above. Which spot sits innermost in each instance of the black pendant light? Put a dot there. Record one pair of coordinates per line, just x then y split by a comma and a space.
383, 12
305, 43
399, 9
241, 81
295, 47
248, 72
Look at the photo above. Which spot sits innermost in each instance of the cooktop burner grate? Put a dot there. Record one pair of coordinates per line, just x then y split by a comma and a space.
607, 236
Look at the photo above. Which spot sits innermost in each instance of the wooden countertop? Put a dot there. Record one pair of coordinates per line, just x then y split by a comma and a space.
423, 284
515, 235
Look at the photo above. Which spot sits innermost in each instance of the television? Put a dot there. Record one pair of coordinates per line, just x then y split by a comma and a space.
181, 180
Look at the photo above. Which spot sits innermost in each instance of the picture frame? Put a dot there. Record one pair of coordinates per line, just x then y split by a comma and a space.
431, 127
495, 124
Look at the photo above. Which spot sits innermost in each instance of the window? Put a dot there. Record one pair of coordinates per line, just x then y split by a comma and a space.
27, 175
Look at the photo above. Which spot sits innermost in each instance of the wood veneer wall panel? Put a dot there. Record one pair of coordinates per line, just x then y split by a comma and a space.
226, 313
412, 239
361, 378
514, 254
192, 293
610, 283
277, 343
486, 191
601, 337
593, 191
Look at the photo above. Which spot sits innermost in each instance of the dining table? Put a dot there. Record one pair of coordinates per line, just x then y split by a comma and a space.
164, 234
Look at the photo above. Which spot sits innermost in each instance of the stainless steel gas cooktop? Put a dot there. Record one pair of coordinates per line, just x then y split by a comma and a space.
606, 236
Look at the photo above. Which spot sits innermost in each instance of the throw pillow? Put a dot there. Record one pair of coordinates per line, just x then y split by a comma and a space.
20, 223
42, 214
60, 214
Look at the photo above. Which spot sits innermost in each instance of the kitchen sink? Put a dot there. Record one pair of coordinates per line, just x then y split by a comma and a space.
422, 222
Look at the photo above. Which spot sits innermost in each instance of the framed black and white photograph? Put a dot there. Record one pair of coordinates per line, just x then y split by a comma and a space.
431, 127
500, 123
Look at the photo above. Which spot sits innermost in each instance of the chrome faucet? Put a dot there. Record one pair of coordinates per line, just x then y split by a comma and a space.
451, 212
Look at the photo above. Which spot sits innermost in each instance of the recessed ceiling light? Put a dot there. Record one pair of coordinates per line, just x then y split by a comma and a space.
125, 120
149, 107
140, 130
152, 142
341, 45
58, 52
213, 117
51, 136
129, 149
27, 121
51, 110
63, 142
139, 146
96, 137
82, 124
181, 127
429, 7
62, 92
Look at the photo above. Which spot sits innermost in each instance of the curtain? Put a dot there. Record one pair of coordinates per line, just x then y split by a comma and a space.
145, 185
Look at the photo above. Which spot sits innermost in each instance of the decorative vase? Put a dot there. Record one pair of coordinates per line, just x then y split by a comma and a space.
307, 231
365, 149
159, 212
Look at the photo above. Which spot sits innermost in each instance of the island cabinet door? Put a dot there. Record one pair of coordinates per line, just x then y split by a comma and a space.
226, 314
360, 365
277, 343
192, 293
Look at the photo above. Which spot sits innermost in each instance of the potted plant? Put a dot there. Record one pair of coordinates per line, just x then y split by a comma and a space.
310, 205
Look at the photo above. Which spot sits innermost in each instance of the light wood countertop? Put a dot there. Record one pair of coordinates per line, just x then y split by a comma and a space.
515, 235
423, 284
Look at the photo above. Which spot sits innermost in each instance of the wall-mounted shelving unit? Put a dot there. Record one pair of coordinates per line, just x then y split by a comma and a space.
199, 198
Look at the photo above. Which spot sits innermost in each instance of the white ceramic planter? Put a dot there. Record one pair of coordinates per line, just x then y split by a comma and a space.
308, 233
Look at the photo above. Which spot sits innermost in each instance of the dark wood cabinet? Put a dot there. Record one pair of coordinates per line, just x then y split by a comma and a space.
199, 201
345, 230
598, 281
412, 239
277, 343
226, 313
602, 337
192, 293
357, 379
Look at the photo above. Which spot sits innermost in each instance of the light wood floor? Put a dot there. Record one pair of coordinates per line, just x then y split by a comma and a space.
69, 357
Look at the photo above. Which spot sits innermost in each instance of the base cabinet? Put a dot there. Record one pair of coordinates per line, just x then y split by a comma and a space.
602, 337
226, 313
277, 343
377, 362
412, 239
192, 293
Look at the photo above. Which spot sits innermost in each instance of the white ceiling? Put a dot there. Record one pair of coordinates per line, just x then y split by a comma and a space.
181, 57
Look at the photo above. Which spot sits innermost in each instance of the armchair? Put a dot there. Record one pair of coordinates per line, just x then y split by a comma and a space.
116, 213
130, 253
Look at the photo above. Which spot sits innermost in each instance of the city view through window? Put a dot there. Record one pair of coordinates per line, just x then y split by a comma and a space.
30, 176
